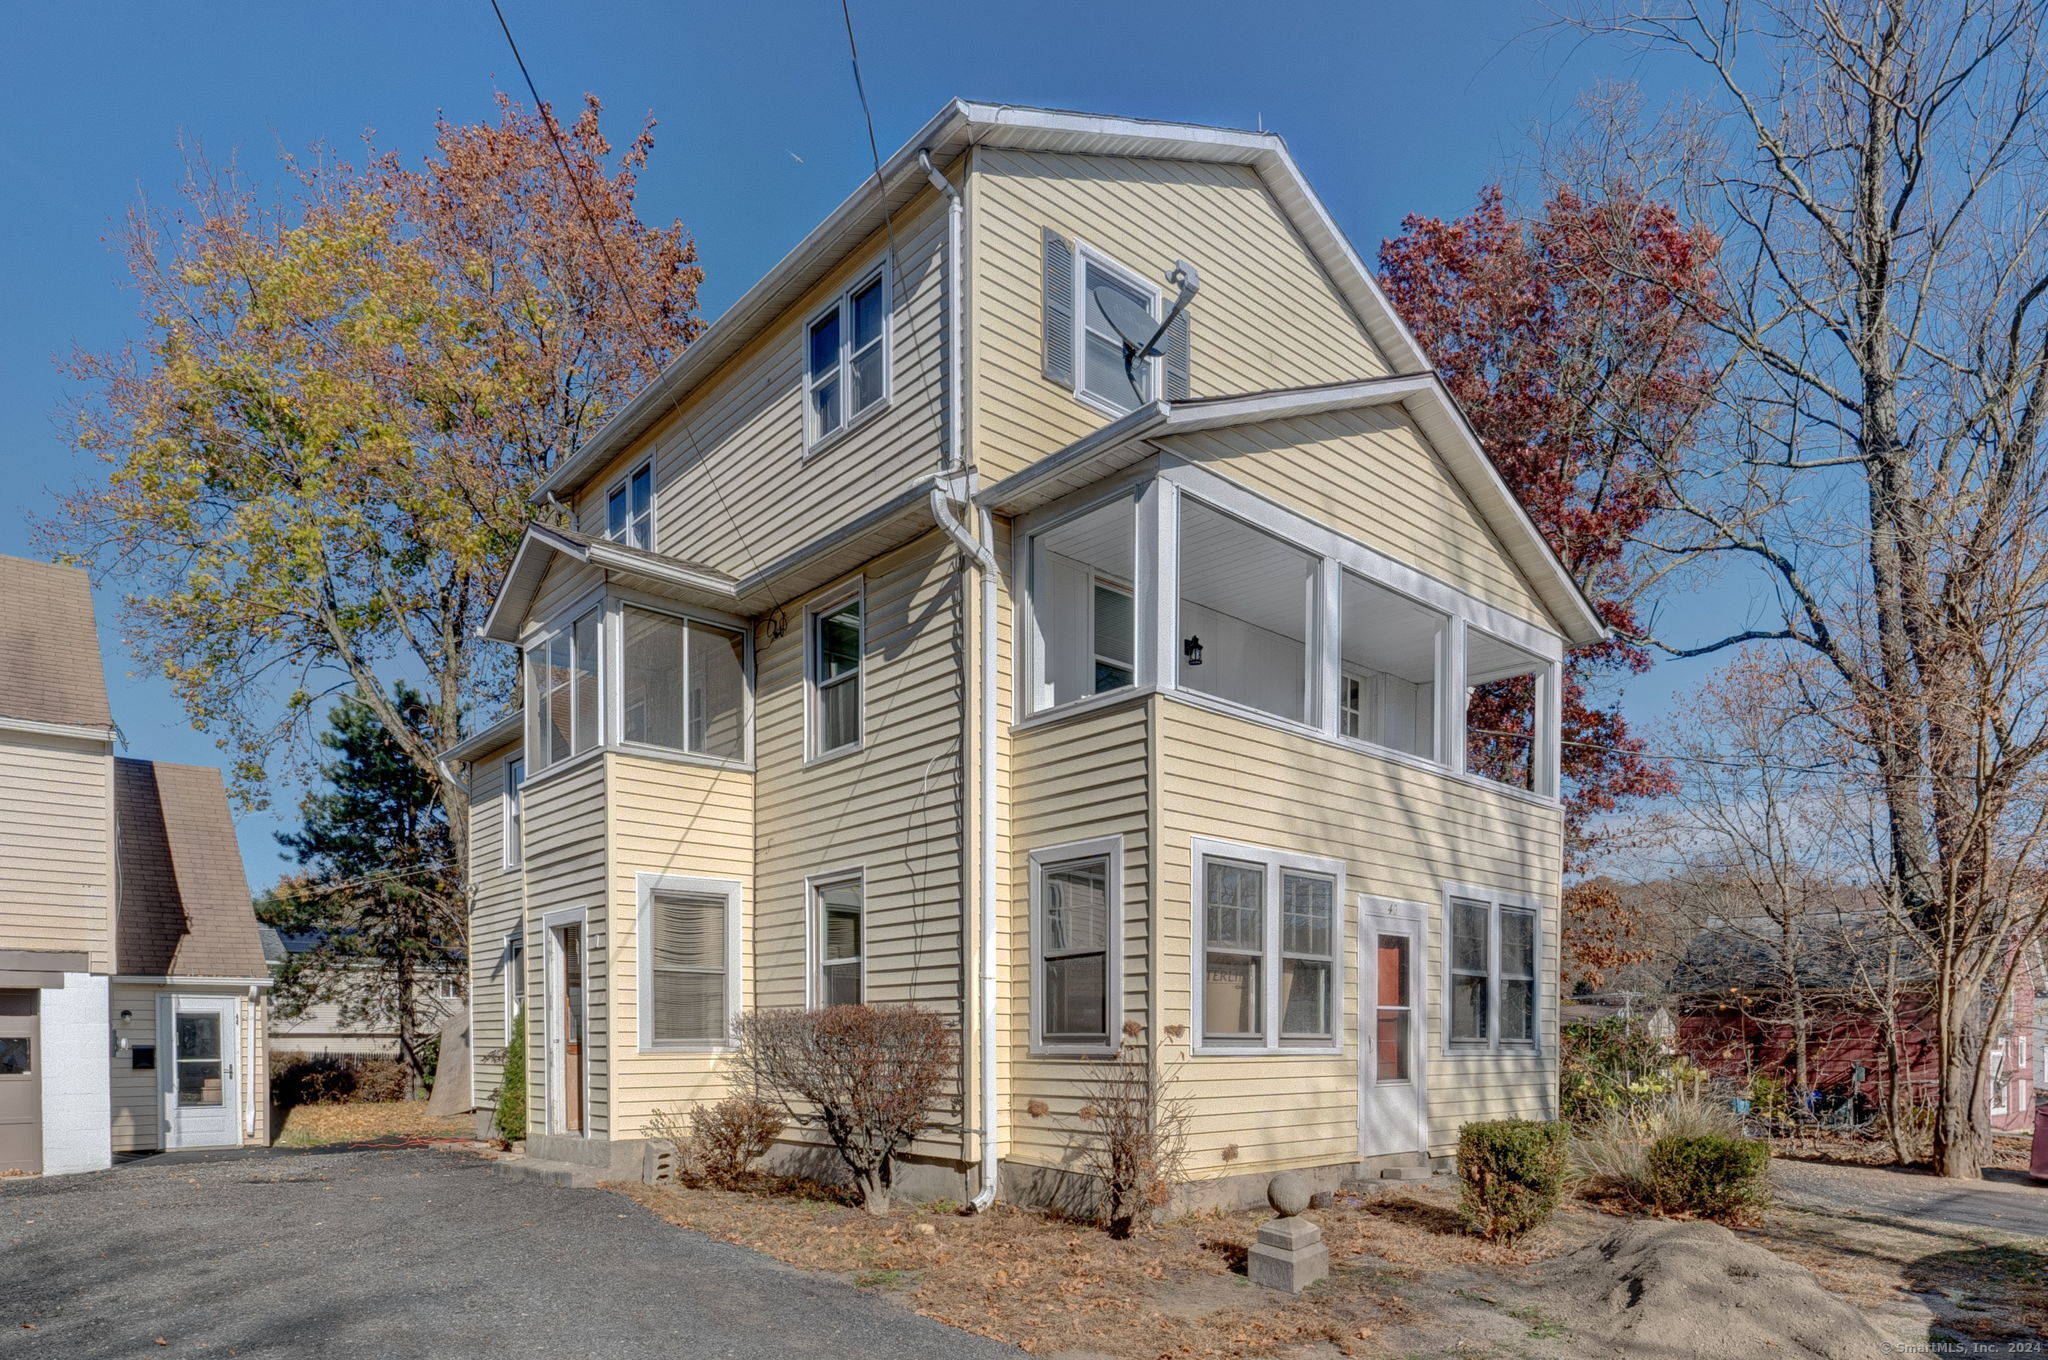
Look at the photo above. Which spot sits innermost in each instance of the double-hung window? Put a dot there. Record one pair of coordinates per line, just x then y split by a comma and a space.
688, 962
1269, 949
1074, 1001
836, 645
1110, 294
847, 347
629, 509
562, 691
838, 933
683, 685
1491, 957
509, 810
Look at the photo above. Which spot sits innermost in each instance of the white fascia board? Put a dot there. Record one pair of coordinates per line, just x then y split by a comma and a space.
505, 731
79, 731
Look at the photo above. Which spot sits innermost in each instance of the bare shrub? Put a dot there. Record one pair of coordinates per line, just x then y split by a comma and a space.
298, 1078
1135, 1142
868, 1075
715, 1144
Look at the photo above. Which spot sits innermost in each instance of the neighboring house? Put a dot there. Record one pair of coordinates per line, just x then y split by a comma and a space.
131, 980
320, 1027
1735, 1002
902, 644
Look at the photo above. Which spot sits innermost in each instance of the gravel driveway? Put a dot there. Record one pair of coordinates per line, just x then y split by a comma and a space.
400, 1253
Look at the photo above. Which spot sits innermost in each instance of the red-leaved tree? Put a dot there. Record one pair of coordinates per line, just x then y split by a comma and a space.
1574, 344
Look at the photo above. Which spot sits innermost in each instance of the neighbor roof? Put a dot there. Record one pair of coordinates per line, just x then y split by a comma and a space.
183, 905
50, 668
958, 126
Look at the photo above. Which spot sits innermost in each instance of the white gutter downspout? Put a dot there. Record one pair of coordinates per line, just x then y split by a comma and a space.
249, 1067
982, 555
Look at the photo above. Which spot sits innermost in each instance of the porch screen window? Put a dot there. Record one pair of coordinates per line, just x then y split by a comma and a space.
1247, 601
629, 509
1492, 972
840, 943
687, 983
562, 687
1074, 926
848, 347
684, 686
1501, 711
1234, 921
1082, 573
1390, 649
836, 648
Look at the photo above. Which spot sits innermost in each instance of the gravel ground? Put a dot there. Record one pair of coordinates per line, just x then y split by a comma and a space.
400, 1253
2006, 1202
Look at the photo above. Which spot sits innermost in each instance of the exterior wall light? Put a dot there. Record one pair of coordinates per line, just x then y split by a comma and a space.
1191, 648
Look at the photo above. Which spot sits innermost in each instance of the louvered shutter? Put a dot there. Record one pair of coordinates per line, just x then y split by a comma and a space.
1059, 308
1178, 358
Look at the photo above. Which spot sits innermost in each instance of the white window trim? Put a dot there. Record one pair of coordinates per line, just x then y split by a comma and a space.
512, 964
511, 813
883, 272
1274, 862
624, 482
563, 621
1110, 848
1494, 899
814, 924
615, 681
813, 611
1395, 915
646, 886
1085, 255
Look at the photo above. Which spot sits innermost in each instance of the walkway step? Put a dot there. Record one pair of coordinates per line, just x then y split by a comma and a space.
571, 1174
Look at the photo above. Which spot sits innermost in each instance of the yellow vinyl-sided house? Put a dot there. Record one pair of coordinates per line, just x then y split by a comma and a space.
928, 633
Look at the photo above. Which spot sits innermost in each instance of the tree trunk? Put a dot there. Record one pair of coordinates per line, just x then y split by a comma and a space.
873, 1188
1962, 1137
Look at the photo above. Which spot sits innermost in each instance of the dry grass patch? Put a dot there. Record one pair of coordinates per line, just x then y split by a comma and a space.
1176, 1290
320, 1125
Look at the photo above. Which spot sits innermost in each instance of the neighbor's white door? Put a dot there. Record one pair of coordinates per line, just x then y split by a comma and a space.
1390, 1040
200, 1080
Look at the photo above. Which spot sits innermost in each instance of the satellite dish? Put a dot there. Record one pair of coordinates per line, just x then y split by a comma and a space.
1133, 324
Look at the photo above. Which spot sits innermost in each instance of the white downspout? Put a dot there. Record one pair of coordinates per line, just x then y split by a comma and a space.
249, 1066
982, 555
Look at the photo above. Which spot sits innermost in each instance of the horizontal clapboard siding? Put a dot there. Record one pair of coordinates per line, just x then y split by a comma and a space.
497, 910
1266, 317
566, 855
56, 845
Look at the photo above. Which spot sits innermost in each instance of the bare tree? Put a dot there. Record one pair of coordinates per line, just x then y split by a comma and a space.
1884, 298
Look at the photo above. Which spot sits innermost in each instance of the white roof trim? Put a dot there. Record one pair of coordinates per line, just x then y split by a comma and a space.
958, 126
50, 729
1422, 395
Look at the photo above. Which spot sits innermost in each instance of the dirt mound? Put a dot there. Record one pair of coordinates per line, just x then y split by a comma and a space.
1685, 1290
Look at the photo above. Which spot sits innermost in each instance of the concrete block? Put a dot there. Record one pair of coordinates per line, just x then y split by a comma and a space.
1405, 1173
1289, 1255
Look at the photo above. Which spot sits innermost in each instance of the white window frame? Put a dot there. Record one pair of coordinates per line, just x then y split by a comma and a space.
850, 420
623, 486
1084, 256
814, 931
1999, 1061
615, 687
564, 624
647, 886
511, 812
1276, 863
513, 952
1110, 849
814, 613
1495, 900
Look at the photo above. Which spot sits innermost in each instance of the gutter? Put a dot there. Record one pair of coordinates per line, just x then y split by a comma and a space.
981, 555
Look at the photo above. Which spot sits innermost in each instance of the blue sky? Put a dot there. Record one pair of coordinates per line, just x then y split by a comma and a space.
1390, 108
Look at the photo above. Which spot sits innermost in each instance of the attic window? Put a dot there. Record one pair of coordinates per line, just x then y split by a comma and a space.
629, 509
847, 349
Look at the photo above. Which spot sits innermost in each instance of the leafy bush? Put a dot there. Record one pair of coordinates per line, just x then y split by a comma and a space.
1513, 1172
1611, 1155
1608, 1065
1712, 1175
870, 1075
511, 1118
298, 1078
716, 1143
1135, 1144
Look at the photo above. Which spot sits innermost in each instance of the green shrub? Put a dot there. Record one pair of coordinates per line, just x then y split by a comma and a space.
298, 1078
1712, 1175
1608, 1065
1514, 1173
512, 1086
1610, 1155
